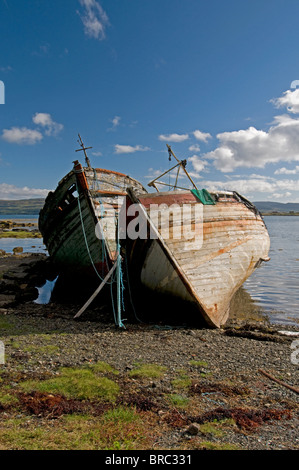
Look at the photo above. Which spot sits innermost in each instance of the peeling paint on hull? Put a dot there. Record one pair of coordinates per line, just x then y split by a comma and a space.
85, 199
234, 241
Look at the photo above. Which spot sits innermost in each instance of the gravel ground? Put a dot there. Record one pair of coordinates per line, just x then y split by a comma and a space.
40, 339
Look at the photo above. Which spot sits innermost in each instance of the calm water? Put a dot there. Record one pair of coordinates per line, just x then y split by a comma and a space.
271, 291
29, 245
274, 286
21, 217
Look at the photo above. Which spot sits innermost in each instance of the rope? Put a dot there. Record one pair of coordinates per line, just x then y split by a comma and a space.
85, 237
119, 274
130, 291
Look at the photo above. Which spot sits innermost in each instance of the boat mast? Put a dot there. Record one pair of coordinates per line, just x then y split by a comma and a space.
180, 165
84, 150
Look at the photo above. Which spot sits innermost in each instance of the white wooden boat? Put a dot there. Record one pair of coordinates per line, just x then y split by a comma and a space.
231, 242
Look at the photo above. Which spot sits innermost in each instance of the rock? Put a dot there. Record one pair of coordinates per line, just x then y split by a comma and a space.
16, 275
193, 429
18, 249
2, 252
7, 300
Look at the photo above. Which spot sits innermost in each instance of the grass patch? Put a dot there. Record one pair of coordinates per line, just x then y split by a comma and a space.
76, 432
198, 363
103, 367
182, 381
120, 415
207, 445
5, 323
46, 349
148, 370
6, 399
82, 384
179, 401
20, 234
216, 428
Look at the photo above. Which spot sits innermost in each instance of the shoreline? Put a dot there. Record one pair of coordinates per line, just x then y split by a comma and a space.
184, 388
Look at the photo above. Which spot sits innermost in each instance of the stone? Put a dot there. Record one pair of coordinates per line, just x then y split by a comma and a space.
18, 249
7, 300
193, 429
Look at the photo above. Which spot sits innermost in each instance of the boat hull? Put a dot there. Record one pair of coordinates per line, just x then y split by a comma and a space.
230, 241
78, 220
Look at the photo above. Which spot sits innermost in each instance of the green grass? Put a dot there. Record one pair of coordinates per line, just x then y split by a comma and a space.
178, 400
148, 370
7, 398
83, 384
5, 323
182, 381
45, 349
103, 367
120, 415
122, 430
20, 234
217, 446
198, 363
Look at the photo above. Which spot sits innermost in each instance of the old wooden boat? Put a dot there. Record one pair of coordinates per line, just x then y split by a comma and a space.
225, 241
78, 220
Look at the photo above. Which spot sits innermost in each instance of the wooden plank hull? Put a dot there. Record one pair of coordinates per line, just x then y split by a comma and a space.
78, 220
231, 242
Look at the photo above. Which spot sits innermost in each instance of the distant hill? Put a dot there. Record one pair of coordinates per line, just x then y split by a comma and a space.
23, 206
33, 206
265, 206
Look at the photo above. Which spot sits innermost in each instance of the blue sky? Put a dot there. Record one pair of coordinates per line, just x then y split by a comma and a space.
217, 80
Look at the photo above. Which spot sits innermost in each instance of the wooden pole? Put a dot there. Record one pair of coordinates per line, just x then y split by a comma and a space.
183, 166
96, 292
280, 382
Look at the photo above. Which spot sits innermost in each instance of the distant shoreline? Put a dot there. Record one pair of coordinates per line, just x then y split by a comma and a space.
280, 213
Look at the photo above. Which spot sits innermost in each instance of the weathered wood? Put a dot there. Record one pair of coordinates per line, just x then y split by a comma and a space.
234, 240
73, 244
96, 292
280, 382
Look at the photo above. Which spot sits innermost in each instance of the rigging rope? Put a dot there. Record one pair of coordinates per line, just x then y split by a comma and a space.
116, 278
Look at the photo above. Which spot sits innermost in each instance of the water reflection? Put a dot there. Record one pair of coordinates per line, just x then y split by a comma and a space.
274, 286
244, 308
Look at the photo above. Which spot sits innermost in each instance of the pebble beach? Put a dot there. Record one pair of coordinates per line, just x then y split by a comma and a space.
204, 388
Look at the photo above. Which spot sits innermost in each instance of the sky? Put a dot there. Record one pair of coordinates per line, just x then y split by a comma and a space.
217, 80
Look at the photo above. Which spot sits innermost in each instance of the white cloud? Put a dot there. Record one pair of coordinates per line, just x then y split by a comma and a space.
115, 123
289, 100
255, 148
203, 136
280, 195
9, 191
45, 120
173, 137
254, 185
94, 19
21, 136
130, 149
285, 171
25, 136
198, 163
194, 148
